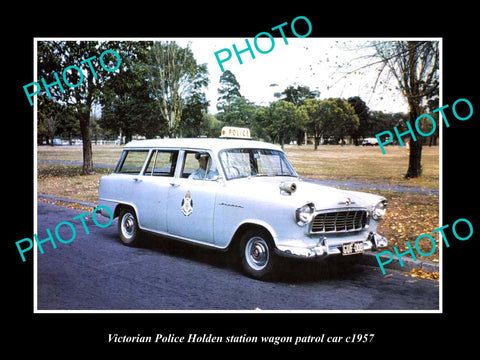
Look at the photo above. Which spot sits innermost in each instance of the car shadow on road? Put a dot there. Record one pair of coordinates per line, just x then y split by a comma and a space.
305, 271
288, 270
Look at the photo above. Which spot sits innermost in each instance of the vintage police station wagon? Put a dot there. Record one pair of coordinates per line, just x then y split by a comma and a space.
236, 194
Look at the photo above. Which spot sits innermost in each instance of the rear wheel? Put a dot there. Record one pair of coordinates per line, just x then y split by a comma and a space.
257, 254
128, 227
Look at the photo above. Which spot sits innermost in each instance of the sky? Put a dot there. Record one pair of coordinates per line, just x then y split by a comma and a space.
319, 63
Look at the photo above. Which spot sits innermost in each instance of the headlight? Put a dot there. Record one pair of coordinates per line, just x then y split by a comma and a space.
304, 214
379, 210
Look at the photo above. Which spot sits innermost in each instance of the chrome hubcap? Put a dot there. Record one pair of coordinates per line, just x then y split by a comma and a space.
256, 253
128, 225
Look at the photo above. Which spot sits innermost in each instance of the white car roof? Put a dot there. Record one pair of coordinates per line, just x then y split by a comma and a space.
200, 143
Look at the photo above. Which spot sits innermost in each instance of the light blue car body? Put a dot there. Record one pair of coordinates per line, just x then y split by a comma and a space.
214, 211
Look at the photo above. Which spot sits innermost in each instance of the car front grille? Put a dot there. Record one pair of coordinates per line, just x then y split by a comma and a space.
340, 221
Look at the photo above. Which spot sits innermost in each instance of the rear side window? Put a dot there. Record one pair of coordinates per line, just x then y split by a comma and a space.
162, 163
132, 162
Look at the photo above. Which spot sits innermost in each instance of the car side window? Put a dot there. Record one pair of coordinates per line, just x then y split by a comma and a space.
198, 165
190, 164
162, 163
132, 162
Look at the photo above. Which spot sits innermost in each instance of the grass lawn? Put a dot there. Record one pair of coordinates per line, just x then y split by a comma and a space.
408, 215
66, 181
102, 154
364, 164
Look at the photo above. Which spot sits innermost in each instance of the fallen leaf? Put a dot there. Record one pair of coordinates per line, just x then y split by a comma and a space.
423, 274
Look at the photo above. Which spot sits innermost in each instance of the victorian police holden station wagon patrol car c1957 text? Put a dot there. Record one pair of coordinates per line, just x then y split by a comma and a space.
236, 193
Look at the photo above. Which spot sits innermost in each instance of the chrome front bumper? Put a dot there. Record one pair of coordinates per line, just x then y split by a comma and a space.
327, 247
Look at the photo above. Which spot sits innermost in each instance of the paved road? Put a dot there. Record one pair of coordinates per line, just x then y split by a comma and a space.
96, 272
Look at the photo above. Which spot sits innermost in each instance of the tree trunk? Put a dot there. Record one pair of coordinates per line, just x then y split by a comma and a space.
87, 168
414, 160
415, 155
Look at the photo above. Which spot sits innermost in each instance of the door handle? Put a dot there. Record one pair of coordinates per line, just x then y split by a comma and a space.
174, 184
137, 179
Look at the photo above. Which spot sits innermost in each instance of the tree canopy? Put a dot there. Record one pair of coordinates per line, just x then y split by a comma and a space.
88, 83
174, 76
415, 66
159, 90
229, 91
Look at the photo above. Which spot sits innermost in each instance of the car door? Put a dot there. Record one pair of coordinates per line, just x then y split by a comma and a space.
191, 202
128, 173
152, 190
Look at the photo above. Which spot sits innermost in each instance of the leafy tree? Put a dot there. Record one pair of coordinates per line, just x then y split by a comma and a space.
212, 125
330, 118
54, 57
346, 120
49, 115
239, 112
68, 125
381, 121
128, 108
193, 122
315, 122
286, 119
229, 91
363, 112
414, 64
174, 75
297, 96
262, 121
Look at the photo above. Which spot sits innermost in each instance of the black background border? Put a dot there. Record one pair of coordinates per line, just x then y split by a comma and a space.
415, 333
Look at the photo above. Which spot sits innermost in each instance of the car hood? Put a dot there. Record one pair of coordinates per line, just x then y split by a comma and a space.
306, 191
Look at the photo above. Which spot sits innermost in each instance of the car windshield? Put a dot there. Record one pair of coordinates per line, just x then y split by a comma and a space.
239, 163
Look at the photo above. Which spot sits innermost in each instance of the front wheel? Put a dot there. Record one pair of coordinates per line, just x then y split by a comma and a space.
128, 227
257, 254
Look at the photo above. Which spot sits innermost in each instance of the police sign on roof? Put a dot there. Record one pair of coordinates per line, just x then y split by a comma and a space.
235, 132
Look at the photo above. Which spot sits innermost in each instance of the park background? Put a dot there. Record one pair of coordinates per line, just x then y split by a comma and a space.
307, 96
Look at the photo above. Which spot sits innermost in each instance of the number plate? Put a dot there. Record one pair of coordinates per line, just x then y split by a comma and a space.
352, 248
